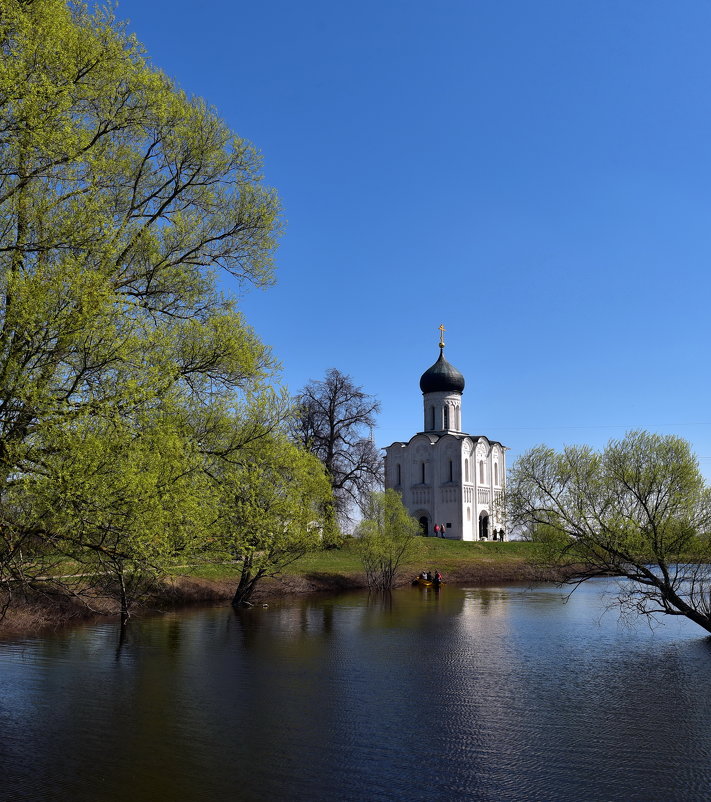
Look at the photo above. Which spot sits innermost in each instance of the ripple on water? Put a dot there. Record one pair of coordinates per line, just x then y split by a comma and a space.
485, 694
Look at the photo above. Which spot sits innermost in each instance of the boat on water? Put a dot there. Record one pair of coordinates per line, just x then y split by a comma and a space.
427, 583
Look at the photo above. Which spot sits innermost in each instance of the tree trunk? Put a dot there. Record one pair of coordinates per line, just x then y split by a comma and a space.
125, 614
700, 618
331, 535
247, 583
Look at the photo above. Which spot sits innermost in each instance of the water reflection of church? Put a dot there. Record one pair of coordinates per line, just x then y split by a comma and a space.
448, 478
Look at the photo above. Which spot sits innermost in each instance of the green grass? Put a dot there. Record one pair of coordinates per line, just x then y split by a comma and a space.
208, 570
430, 553
477, 550
345, 560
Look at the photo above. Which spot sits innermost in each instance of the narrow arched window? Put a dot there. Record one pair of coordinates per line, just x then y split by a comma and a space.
481, 471
466, 470
446, 417
451, 471
496, 473
432, 417
399, 477
423, 473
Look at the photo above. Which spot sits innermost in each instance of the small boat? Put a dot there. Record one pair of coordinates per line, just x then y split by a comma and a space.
427, 583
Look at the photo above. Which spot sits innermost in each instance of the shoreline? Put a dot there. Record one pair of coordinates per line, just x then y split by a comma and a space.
42, 614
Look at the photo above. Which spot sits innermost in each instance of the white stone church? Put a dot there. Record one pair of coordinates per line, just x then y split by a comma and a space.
452, 482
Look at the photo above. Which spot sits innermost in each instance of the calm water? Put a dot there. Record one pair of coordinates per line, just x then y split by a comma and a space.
485, 694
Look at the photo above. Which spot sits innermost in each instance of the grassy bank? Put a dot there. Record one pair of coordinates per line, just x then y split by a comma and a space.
339, 569
334, 570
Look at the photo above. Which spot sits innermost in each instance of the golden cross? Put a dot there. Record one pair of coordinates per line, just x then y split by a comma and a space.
441, 335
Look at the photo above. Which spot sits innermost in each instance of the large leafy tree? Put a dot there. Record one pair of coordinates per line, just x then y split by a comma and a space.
639, 510
334, 420
120, 199
271, 509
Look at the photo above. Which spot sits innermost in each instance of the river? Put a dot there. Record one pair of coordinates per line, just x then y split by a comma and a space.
505, 693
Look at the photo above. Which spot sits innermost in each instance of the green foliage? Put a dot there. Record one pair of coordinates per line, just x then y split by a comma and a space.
548, 534
387, 537
640, 509
120, 498
270, 509
125, 376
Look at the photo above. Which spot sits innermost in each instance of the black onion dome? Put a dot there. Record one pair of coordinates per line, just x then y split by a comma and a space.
442, 378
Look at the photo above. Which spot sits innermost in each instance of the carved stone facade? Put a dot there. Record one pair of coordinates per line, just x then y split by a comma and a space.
449, 479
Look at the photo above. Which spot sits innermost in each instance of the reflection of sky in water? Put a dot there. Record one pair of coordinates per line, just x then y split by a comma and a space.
588, 706
481, 693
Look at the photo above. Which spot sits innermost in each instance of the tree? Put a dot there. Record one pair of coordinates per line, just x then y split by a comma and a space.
387, 536
120, 198
333, 421
119, 503
638, 510
272, 497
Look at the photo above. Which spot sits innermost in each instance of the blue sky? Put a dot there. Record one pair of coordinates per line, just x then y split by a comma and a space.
534, 175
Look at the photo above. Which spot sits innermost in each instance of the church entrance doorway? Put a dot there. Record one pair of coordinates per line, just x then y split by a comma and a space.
484, 526
424, 526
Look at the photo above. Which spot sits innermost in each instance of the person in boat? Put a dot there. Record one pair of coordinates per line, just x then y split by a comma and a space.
423, 575
437, 579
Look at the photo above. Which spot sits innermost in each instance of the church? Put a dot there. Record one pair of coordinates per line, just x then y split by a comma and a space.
450, 481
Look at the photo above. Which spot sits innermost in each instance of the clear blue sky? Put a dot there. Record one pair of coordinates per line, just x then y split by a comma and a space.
534, 175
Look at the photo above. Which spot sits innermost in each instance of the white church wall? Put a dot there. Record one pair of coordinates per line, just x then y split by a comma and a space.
463, 476
442, 412
448, 481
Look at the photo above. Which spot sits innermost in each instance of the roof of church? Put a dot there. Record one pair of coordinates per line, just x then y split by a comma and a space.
442, 377
435, 437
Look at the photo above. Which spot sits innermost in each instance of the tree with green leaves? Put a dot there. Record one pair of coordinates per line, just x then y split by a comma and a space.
387, 536
120, 503
120, 200
272, 495
639, 510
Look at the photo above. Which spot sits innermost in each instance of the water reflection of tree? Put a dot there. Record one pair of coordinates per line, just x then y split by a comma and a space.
308, 623
300, 622
491, 598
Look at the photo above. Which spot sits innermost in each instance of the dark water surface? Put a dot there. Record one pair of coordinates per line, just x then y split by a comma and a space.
484, 694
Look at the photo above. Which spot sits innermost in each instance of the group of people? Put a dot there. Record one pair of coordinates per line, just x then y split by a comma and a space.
431, 576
